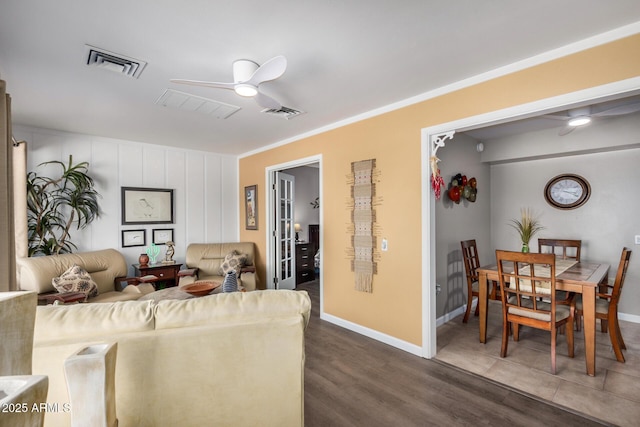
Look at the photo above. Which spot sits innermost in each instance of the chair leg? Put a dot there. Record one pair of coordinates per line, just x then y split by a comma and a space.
554, 336
516, 331
570, 338
622, 344
468, 310
578, 320
614, 335
603, 326
477, 312
505, 338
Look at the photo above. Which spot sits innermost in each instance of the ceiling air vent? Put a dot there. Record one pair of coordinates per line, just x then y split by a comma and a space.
284, 112
187, 102
96, 57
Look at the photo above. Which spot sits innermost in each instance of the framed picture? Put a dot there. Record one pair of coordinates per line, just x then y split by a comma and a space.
147, 206
134, 238
162, 235
251, 207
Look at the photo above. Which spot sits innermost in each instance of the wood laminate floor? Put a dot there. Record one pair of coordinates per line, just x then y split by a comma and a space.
352, 380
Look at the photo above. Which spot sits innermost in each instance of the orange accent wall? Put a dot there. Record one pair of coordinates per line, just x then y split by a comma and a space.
393, 139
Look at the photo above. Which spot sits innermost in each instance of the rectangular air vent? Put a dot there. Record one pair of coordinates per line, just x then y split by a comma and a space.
96, 57
185, 101
284, 112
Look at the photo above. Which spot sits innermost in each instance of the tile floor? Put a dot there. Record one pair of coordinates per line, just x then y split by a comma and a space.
613, 395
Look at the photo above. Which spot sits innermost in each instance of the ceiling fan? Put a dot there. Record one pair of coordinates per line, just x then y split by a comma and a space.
247, 78
577, 117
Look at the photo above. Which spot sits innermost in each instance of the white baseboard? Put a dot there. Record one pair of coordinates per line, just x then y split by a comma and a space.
373, 334
412, 348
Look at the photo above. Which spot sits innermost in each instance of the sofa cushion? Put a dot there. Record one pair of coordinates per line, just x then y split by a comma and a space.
76, 279
235, 306
91, 321
233, 261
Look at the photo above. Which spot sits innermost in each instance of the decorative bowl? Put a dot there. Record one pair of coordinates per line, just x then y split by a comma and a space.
200, 289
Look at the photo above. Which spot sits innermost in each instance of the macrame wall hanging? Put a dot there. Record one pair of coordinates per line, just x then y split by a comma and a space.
363, 227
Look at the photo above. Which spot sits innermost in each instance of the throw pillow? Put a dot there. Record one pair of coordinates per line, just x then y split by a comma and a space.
76, 279
233, 261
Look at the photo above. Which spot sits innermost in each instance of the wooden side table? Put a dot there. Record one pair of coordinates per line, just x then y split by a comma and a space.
167, 273
64, 297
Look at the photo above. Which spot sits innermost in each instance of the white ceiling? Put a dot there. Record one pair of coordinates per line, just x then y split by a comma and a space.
345, 58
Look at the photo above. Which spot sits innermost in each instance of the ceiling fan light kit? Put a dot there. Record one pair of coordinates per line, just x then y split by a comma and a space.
579, 121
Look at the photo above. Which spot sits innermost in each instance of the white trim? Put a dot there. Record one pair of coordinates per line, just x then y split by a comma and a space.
551, 55
429, 321
268, 171
373, 334
633, 318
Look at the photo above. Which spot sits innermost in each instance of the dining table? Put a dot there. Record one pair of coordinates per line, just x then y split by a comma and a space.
582, 277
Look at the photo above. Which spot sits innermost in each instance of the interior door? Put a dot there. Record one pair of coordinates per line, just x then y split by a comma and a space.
284, 236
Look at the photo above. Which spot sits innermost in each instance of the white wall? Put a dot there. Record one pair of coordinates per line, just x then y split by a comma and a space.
206, 189
463, 221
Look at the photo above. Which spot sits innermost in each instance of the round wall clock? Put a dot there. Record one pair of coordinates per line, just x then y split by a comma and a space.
567, 191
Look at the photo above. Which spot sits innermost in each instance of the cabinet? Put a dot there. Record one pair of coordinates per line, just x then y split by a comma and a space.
304, 263
166, 273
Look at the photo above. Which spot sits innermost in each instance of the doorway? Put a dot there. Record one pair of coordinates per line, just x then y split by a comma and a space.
438, 136
305, 176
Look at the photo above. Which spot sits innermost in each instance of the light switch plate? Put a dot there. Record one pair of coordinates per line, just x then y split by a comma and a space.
385, 245
637, 240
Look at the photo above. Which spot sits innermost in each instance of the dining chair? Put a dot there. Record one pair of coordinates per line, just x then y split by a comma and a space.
528, 285
563, 249
607, 299
471, 264
570, 249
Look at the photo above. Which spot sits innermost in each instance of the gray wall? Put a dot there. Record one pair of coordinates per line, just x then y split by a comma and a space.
206, 189
457, 222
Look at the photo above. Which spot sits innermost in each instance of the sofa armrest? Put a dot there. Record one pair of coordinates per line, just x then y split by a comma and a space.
118, 281
188, 272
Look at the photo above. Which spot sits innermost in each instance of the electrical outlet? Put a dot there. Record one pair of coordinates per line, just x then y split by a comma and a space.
637, 240
385, 245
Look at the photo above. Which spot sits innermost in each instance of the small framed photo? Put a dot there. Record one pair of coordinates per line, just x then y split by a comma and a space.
162, 235
251, 207
147, 206
132, 238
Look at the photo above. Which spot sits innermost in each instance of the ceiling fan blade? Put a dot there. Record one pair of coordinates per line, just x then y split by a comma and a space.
270, 70
266, 101
566, 130
619, 110
205, 84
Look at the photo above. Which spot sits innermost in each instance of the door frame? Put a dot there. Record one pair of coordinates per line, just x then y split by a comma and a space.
612, 90
269, 229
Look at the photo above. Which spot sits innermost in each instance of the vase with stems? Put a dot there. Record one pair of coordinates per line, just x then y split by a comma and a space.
527, 226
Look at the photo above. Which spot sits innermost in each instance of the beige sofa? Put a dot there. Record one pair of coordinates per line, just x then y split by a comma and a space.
104, 266
203, 261
233, 359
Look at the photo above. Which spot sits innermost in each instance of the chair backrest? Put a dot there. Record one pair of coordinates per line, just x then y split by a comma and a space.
550, 245
620, 275
525, 280
471, 260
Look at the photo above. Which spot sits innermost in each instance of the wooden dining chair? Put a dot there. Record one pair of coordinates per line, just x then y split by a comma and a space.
562, 248
607, 299
471, 264
528, 285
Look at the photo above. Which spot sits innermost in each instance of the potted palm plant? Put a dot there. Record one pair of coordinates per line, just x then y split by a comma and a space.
55, 204
526, 226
